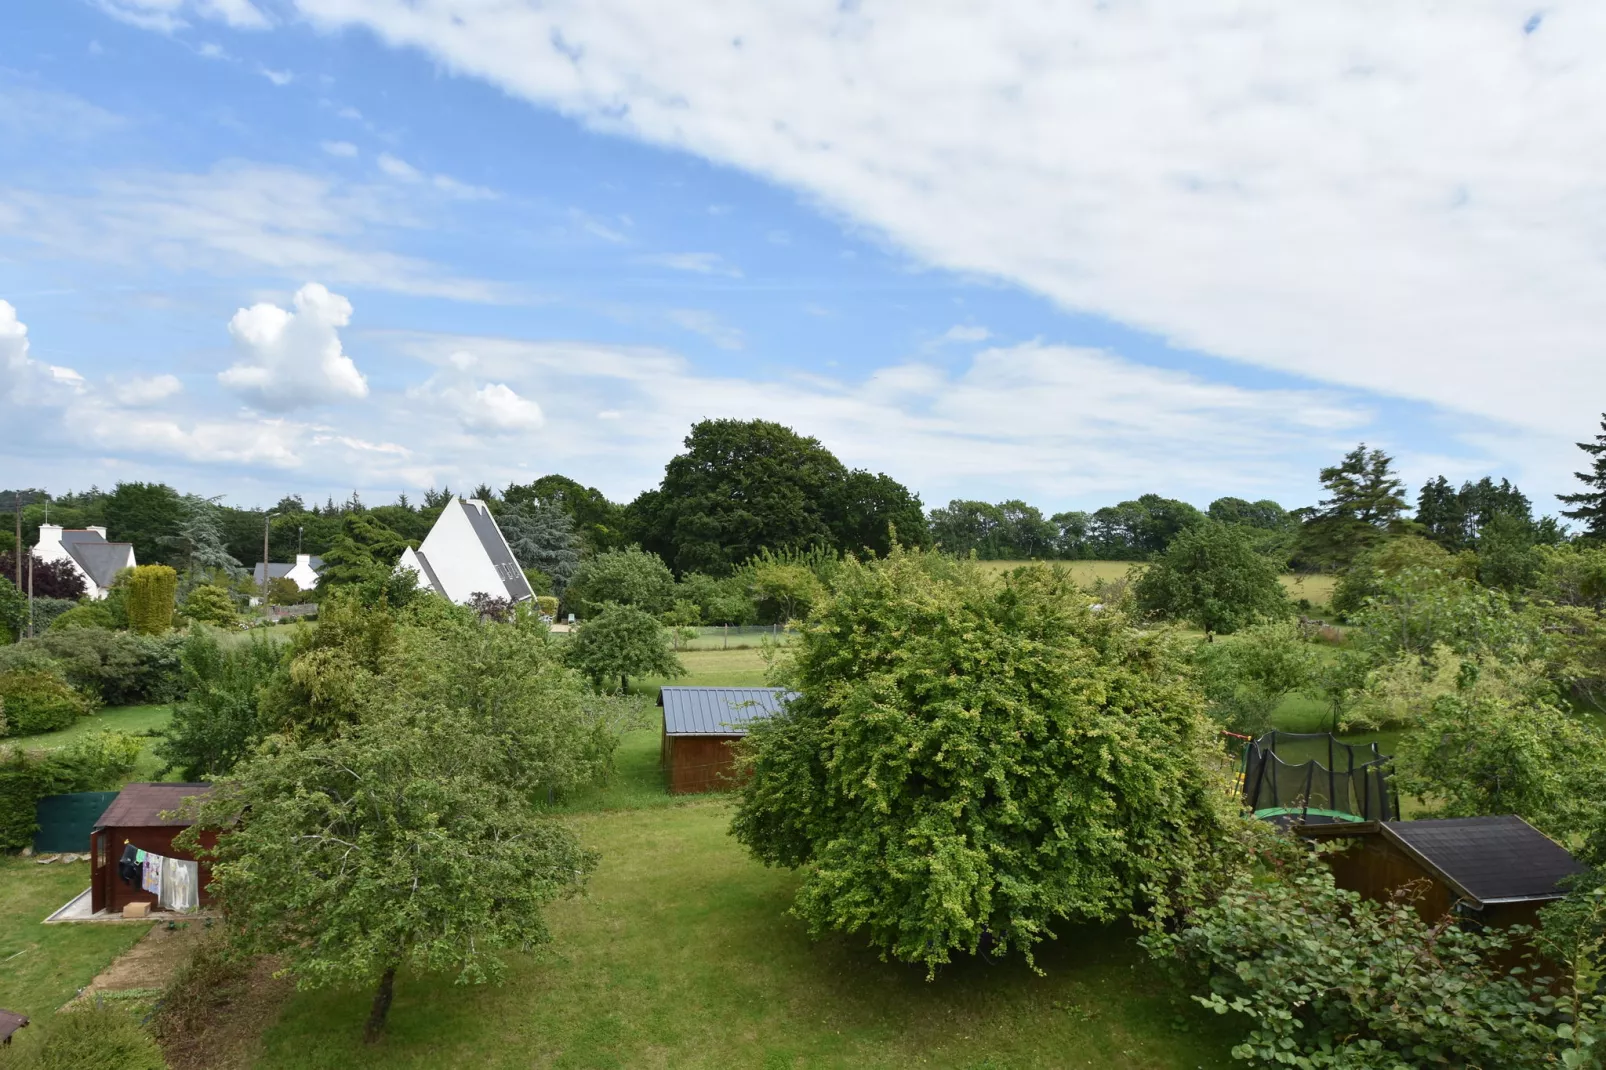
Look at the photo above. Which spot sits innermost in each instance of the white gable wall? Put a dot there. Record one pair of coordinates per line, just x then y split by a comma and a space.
458, 559
50, 548
301, 573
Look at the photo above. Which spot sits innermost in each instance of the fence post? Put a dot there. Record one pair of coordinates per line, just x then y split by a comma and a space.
727, 630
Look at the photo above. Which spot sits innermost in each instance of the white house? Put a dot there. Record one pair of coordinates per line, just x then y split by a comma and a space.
465, 554
87, 550
304, 573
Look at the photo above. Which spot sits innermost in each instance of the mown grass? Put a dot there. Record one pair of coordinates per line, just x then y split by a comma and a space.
43, 966
682, 955
135, 720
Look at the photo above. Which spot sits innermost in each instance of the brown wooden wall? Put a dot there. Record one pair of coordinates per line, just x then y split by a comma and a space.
1376, 868
107, 891
698, 763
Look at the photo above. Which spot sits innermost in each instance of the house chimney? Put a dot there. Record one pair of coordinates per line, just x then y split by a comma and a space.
98, 531
49, 535
303, 559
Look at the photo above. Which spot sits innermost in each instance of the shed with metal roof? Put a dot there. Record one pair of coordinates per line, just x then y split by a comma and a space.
701, 724
1499, 870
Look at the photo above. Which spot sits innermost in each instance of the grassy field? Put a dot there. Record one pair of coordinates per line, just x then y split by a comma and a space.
682, 955
43, 966
135, 720
1317, 588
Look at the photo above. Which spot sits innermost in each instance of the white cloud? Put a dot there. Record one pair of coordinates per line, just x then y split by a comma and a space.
398, 168
463, 191
700, 321
166, 16
498, 407
344, 149
28, 382
238, 217
1405, 197
294, 359
279, 78
147, 391
966, 332
696, 263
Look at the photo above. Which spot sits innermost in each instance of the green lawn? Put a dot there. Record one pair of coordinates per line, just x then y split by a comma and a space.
43, 966
682, 955
135, 720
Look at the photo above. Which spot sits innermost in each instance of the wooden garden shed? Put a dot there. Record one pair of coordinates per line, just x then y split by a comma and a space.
701, 724
135, 818
1495, 870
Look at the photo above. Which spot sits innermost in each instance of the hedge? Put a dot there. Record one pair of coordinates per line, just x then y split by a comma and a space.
118, 668
32, 701
92, 763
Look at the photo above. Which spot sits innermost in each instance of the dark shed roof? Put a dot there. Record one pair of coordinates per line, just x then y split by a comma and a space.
718, 711
1490, 859
142, 805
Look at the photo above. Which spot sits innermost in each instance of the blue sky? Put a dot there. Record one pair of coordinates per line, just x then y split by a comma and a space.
253, 247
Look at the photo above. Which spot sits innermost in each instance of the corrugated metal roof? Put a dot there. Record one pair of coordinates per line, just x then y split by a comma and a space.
1492, 859
142, 805
718, 711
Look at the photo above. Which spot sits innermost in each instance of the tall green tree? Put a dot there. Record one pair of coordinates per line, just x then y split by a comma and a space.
600, 523
363, 549
975, 759
630, 577
620, 642
542, 536
1210, 576
392, 844
870, 509
198, 543
1365, 500
1589, 505
145, 514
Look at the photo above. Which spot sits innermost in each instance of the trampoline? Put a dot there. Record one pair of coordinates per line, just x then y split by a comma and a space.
1316, 779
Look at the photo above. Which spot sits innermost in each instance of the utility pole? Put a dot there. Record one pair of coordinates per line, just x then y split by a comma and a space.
16, 507
30, 596
267, 525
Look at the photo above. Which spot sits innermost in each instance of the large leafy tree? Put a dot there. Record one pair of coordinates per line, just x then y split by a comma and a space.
632, 577
1589, 505
145, 514
1212, 577
51, 579
1137, 530
600, 523
974, 759
743, 486
1365, 500
621, 642
392, 844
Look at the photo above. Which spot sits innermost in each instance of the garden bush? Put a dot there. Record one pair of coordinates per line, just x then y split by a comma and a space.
84, 615
1330, 980
218, 722
13, 611
46, 610
96, 1036
32, 701
119, 668
91, 763
211, 604
973, 759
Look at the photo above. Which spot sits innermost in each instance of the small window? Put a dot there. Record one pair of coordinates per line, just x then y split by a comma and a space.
100, 850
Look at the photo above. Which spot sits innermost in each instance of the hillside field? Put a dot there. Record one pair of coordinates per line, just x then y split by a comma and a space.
1317, 587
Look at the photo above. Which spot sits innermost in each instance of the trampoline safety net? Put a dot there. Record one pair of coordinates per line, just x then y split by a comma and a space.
1314, 778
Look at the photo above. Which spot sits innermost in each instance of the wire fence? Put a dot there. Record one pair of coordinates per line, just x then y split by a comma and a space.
731, 636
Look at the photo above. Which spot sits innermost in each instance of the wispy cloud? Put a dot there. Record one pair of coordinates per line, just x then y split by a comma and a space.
701, 321
696, 263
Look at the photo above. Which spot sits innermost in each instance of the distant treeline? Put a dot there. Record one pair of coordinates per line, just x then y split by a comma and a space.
741, 488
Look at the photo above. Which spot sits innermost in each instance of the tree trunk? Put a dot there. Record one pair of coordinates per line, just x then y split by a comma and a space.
381, 1007
624, 684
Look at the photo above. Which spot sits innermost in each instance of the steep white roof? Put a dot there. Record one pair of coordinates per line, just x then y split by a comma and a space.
465, 554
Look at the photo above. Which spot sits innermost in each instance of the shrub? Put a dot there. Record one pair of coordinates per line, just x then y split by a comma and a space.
621, 642
47, 610
211, 604
89, 764
84, 615
97, 1036
151, 593
547, 605
32, 702
218, 722
51, 579
118, 668
1211, 577
632, 577
1331, 980
13, 611
1246, 677
283, 591
974, 759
